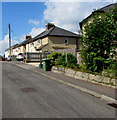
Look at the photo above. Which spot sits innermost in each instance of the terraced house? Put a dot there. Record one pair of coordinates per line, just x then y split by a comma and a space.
53, 38
21, 48
10, 51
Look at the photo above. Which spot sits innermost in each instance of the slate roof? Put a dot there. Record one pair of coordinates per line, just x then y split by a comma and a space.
54, 31
103, 9
42, 46
23, 43
108, 7
12, 47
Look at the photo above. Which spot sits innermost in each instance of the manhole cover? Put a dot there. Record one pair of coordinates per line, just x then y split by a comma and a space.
28, 89
113, 105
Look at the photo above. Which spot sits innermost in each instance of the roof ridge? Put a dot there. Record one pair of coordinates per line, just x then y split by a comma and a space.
51, 30
66, 30
108, 5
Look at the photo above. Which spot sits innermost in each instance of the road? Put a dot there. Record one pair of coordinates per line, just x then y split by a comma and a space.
26, 94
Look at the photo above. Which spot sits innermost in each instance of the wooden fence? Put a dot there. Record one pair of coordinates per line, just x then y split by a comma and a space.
36, 57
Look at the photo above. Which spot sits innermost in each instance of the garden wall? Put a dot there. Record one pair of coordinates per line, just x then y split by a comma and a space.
84, 76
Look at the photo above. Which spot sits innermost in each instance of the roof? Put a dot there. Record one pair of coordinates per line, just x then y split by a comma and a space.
0, 56
108, 7
23, 43
12, 47
42, 46
54, 31
103, 9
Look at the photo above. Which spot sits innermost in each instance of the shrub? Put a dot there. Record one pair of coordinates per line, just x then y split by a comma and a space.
61, 60
73, 66
71, 60
54, 56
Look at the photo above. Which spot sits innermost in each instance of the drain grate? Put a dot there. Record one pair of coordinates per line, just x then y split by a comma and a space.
28, 89
113, 105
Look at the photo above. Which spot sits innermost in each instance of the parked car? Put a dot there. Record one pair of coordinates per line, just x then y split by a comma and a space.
1, 58
9, 58
20, 57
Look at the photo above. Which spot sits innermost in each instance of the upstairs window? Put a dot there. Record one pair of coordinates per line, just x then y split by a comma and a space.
66, 41
39, 41
31, 44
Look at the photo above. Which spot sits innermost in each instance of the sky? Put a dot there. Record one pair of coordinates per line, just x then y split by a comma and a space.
29, 18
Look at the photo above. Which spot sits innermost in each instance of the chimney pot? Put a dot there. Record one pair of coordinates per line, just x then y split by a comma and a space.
28, 37
49, 25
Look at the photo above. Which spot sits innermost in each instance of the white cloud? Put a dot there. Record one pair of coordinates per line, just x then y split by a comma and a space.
55, 0
111, 1
22, 38
35, 22
36, 31
68, 14
4, 44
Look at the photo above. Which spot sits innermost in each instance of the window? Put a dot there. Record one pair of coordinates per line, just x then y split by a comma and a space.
31, 44
39, 41
66, 40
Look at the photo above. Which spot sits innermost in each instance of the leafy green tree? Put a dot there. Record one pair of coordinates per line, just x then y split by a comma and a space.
98, 39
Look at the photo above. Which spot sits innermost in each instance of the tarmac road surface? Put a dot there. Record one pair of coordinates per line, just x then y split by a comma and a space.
26, 94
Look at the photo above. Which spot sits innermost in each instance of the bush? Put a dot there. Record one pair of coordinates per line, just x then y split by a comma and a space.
71, 60
73, 66
61, 60
111, 71
54, 56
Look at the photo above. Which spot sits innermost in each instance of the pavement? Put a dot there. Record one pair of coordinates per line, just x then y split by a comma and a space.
103, 92
36, 64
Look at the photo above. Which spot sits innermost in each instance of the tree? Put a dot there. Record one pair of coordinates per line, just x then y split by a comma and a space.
98, 40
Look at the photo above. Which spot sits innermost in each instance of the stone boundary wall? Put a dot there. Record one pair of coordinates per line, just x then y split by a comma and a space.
84, 76
70, 50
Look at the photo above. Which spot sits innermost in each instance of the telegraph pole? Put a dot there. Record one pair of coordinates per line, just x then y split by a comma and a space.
9, 38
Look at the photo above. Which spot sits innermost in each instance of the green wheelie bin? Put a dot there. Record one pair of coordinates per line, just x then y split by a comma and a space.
46, 64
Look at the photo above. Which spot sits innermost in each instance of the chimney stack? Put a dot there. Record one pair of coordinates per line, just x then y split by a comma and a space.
49, 25
28, 37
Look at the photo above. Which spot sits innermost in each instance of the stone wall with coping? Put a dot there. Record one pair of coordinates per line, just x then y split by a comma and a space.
84, 76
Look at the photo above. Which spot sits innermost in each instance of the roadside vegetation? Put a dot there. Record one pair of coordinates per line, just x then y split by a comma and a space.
99, 46
67, 60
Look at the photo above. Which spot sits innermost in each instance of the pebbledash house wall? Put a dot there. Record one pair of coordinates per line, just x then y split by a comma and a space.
59, 43
15, 51
31, 47
53, 43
